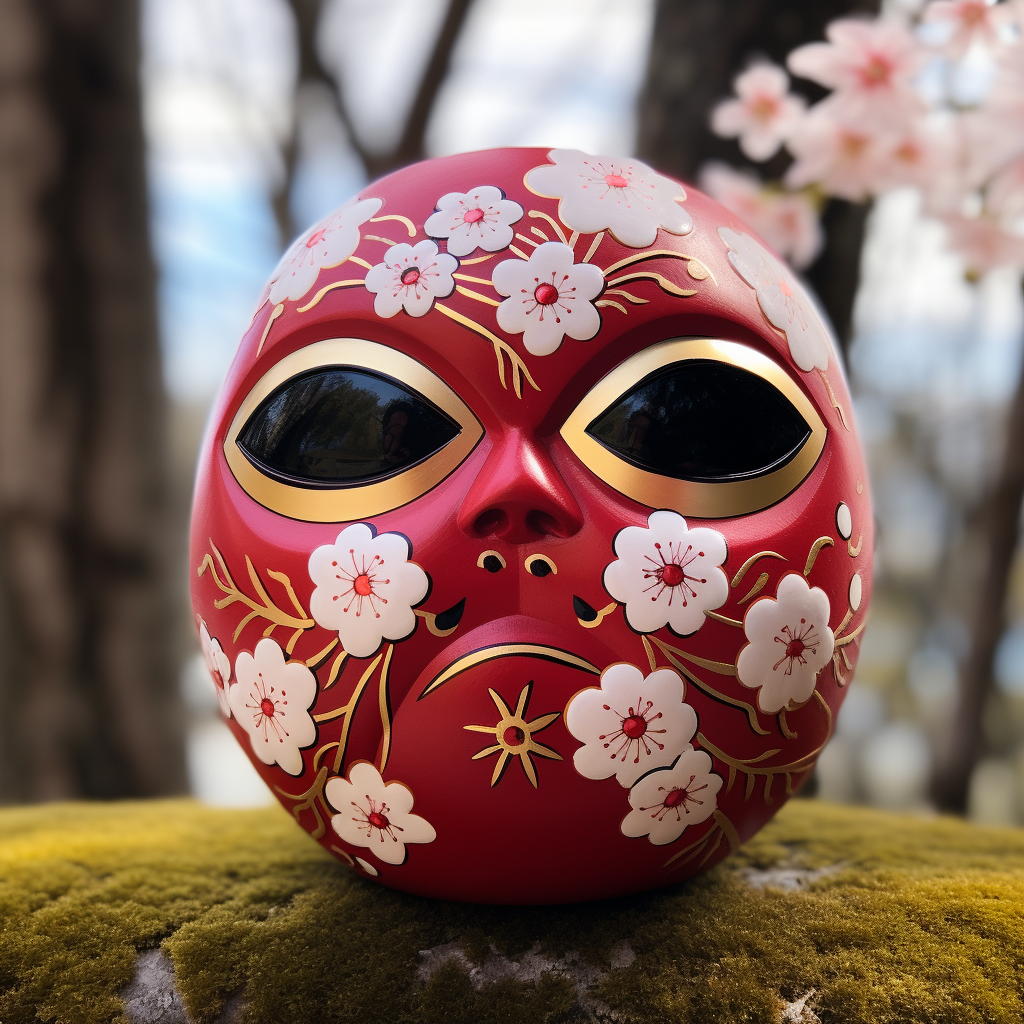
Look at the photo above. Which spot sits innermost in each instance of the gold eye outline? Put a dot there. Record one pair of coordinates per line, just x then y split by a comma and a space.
701, 499
350, 503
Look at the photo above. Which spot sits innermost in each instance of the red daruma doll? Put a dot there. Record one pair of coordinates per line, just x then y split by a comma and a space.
532, 540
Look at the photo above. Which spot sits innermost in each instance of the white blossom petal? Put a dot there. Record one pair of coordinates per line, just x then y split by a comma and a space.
666, 801
549, 298
219, 666
375, 814
620, 195
270, 700
327, 244
366, 588
668, 574
480, 218
782, 300
630, 724
788, 643
410, 278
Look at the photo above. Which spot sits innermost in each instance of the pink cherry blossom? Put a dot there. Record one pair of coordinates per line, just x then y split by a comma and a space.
1005, 193
764, 113
871, 65
995, 131
787, 221
984, 243
965, 21
843, 160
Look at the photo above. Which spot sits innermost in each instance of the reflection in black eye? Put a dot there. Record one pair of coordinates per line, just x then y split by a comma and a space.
340, 426
703, 420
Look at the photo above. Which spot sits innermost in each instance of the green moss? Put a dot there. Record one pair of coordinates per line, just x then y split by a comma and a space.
913, 920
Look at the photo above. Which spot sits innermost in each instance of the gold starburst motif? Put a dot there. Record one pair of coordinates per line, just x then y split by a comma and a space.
514, 736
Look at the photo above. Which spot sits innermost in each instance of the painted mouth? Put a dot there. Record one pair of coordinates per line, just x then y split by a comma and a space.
509, 637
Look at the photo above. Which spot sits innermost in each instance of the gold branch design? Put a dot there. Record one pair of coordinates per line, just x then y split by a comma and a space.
742, 571
264, 608
753, 768
598, 239
501, 348
663, 282
555, 226
307, 801
275, 313
329, 288
676, 657
409, 226
697, 270
722, 827
812, 555
832, 398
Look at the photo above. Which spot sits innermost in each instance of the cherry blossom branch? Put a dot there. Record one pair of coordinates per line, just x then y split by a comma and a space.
264, 608
676, 656
812, 555
519, 369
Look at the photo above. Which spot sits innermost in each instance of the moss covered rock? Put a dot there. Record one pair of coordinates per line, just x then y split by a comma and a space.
831, 914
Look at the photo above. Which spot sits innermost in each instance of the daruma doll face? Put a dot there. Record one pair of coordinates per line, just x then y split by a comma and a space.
532, 539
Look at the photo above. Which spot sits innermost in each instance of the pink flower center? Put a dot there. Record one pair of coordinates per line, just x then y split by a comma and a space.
377, 820
675, 798
877, 71
267, 707
763, 107
546, 294
616, 181
362, 586
794, 648
513, 736
672, 575
315, 239
472, 216
410, 276
634, 726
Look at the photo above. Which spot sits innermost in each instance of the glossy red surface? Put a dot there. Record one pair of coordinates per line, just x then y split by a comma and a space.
522, 492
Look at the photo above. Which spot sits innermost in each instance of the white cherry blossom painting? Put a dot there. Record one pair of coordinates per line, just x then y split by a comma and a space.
549, 298
376, 815
366, 588
782, 300
665, 802
481, 218
270, 699
620, 195
788, 643
667, 574
218, 664
327, 244
630, 723
410, 278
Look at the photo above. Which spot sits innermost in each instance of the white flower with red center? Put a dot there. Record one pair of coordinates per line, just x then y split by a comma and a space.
375, 814
366, 588
601, 193
871, 65
630, 723
329, 243
218, 665
668, 800
667, 574
549, 298
781, 299
788, 643
480, 218
764, 113
270, 699
410, 278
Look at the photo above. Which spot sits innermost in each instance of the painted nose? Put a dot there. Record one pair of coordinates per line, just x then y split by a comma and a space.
519, 495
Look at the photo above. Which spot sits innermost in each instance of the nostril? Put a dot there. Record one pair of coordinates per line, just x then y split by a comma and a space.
545, 524
493, 521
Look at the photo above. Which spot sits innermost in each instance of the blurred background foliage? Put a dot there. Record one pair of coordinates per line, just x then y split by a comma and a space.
247, 120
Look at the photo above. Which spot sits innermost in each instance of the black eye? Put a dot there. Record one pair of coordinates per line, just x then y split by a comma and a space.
703, 420
341, 427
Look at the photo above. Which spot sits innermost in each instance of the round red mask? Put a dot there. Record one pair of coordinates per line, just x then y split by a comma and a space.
532, 533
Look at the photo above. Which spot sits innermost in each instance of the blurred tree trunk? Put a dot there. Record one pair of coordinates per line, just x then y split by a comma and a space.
1001, 516
87, 684
698, 47
410, 145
